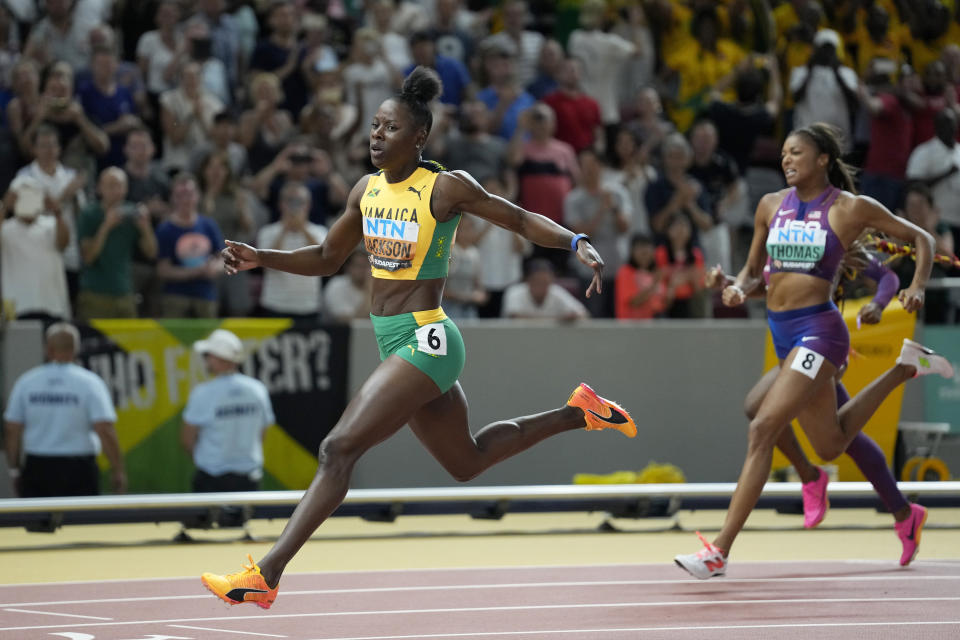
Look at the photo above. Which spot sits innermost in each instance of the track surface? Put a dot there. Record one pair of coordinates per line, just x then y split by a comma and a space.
866, 599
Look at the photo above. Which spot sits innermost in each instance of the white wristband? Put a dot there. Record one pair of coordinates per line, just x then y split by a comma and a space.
738, 289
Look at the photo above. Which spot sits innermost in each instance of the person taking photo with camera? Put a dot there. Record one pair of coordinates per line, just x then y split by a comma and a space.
110, 230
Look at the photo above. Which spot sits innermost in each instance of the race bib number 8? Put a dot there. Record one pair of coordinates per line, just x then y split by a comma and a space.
432, 339
807, 362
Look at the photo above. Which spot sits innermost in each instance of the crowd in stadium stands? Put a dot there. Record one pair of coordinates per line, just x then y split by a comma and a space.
136, 135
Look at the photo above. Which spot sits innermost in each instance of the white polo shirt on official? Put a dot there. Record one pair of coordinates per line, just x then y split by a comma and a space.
58, 404
231, 411
288, 292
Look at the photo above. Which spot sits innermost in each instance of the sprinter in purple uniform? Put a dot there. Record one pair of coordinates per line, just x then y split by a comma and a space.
863, 450
806, 230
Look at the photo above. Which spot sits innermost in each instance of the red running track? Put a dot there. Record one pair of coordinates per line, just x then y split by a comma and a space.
782, 601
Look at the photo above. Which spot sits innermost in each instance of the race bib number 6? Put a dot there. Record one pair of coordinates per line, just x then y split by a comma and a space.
807, 362
432, 339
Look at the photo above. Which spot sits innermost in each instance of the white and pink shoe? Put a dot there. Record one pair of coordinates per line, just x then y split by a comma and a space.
924, 359
706, 563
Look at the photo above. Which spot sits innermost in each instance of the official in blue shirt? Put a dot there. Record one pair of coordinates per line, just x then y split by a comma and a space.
225, 419
58, 416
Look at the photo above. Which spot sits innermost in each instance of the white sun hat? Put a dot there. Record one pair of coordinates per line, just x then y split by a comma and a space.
223, 344
827, 36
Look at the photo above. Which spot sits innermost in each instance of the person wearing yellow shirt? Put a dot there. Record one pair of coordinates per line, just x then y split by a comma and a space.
671, 22
929, 25
796, 45
878, 37
849, 15
739, 19
792, 14
953, 31
701, 66
406, 215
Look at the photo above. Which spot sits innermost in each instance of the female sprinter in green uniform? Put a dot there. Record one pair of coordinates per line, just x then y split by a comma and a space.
406, 215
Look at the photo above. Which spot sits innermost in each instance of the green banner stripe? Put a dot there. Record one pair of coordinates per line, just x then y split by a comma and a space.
269, 483
189, 330
158, 464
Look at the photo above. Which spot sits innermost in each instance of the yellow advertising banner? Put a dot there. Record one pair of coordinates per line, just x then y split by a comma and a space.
874, 349
150, 367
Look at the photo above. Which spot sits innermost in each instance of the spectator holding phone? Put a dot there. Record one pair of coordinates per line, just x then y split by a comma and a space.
300, 163
265, 128
111, 229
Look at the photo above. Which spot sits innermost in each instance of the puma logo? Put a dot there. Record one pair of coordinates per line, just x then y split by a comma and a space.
417, 191
240, 594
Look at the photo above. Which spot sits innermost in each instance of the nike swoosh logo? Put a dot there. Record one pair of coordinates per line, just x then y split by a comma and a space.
913, 530
785, 212
616, 417
805, 338
239, 594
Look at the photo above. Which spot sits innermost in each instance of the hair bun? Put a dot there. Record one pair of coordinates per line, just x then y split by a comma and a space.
422, 85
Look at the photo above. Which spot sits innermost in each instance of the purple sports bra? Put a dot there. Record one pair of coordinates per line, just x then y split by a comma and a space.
800, 239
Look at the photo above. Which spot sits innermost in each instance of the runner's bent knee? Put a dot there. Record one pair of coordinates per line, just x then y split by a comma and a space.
339, 450
829, 447
750, 407
764, 431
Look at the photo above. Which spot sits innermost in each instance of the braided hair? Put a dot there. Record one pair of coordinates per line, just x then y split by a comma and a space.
854, 262
420, 87
826, 138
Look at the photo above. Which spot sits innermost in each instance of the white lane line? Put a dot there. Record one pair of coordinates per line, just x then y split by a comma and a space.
545, 607
947, 562
516, 585
249, 633
51, 613
593, 633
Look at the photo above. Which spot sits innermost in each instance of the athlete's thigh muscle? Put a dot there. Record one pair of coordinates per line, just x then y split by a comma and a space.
385, 402
819, 420
793, 390
759, 391
443, 428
